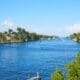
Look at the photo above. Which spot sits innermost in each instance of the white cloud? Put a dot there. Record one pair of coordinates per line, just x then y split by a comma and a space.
9, 24
61, 31
66, 30
71, 29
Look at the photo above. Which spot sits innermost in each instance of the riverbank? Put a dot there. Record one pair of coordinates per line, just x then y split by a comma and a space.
21, 35
25, 41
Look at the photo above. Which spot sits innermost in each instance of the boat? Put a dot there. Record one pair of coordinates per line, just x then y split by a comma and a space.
35, 78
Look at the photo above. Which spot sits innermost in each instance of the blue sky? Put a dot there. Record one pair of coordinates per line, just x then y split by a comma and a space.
54, 17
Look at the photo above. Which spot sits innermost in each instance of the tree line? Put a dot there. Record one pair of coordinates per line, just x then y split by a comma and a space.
75, 37
73, 71
20, 35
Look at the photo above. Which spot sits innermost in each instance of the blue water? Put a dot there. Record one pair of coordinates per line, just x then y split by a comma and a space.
36, 56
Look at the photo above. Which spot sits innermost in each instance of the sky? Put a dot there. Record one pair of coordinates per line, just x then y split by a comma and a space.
51, 17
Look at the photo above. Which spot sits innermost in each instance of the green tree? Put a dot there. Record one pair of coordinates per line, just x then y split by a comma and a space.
33, 36
57, 75
22, 34
75, 36
78, 58
73, 69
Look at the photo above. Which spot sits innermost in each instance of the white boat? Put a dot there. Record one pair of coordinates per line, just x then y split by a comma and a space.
35, 78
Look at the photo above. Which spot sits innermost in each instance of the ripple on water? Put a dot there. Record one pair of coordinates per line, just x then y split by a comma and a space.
42, 56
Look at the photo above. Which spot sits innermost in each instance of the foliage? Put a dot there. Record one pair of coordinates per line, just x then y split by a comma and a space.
73, 71
57, 75
75, 36
20, 35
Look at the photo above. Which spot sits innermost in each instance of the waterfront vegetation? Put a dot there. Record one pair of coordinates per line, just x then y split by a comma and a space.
73, 71
75, 37
57, 75
21, 35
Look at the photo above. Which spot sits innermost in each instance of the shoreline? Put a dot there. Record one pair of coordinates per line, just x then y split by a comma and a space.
17, 42
21, 41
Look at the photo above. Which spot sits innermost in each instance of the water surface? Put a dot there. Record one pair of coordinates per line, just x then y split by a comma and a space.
36, 56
